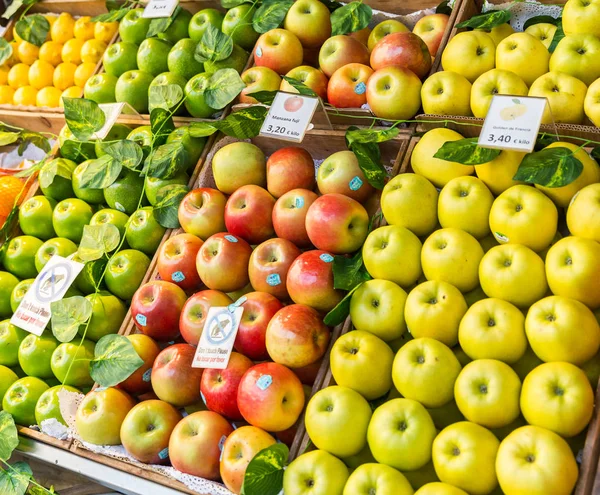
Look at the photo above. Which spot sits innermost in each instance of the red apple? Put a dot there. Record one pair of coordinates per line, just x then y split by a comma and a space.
202, 212
341, 174
431, 29
196, 444
337, 223
278, 49
195, 310
155, 308
259, 308
258, 79
296, 336
394, 93
405, 50
310, 281
173, 378
289, 216
222, 262
311, 77
139, 382
177, 261
219, 387
339, 51
249, 213
270, 397
290, 168
269, 265
347, 87
308, 374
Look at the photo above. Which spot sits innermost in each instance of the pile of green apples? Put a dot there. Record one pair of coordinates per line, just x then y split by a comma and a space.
138, 62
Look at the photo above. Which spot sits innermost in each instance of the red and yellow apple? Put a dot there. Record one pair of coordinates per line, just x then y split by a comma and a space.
310, 77
431, 29
279, 50
290, 168
405, 50
173, 378
348, 86
289, 216
248, 214
177, 261
258, 79
138, 383
202, 212
195, 310
341, 50
341, 174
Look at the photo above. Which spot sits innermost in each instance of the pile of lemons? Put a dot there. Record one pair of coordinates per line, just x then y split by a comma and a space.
41, 76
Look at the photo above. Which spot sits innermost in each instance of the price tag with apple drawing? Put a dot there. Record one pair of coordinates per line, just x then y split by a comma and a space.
159, 8
289, 117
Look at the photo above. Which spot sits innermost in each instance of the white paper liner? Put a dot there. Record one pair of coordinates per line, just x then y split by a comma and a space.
521, 12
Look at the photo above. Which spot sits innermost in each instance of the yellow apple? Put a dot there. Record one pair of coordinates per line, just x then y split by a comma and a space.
498, 174
319, 470
583, 215
470, 54
446, 93
524, 55
498, 33
494, 82
579, 56
565, 94
384, 28
437, 488
591, 104
377, 478
581, 16
543, 31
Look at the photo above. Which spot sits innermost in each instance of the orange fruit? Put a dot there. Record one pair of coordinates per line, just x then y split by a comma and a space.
72, 92
25, 95
104, 31
18, 76
6, 95
27, 52
84, 29
62, 29
92, 51
40, 74
83, 73
51, 52
10, 190
71, 52
48, 97
64, 75
4, 74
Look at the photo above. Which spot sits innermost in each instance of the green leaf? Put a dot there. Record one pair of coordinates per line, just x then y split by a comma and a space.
466, 152
264, 474
166, 97
98, 240
9, 438
15, 481
34, 29
214, 45
222, 88
8, 137
243, 124
357, 135
270, 15
444, 8
115, 360
6, 50
264, 97
84, 117
350, 18
161, 24
77, 151
299, 86
50, 170
551, 167
36, 490
544, 140
12, 9
161, 123
558, 36
369, 161
349, 272
331, 5
229, 4
166, 161
167, 204
67, 315
539, 19
112, 16
100, 173
34, 138
127, 153
488, 20
596, 153
338, 315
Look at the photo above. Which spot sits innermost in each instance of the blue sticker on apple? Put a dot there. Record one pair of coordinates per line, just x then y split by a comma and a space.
164, 453
274, 279
147, 375
360, 88
203, 398
231, 238
178, 277
356, 183
299, 203
264, 382
327, 258
141, 319
258, 51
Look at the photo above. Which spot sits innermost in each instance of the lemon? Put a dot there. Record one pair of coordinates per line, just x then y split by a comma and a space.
4, 74
14, 58
64, 76
92, 51
104, 31
48, 97
6, 95
18, 76
83, 73
51, 52
27, 52
25, 95
62, 29
72, 92
51, 18
84, 29
71, 52
40, 74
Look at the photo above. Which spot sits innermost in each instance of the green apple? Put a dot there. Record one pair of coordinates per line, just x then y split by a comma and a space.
152, 56
178, 28
114, 217
201, 20
7, 284
19, 257
35, 354
193, 146
524, 55
72, 149
153, 185
565, 94
144, 233
62, 170
446, 93
133, 28
117, 132
319, 470
89, 277
120, 57
125, 272
142, 135
579, 56
69, 218
59, 245
195, 102
108, 313
48, 407
101, 88
10, 340
378, 478
125, 193
21, 398
237, 60
19, 292
181, 59
89, 195
132, 87
494, 82
165, 79
383, 29
77, 358
35, 217
7, 378
238, 24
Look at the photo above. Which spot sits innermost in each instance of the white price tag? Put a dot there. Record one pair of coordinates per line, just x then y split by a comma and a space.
289, 116
160, 8
112, 111
512, 123
218, 336
51, 284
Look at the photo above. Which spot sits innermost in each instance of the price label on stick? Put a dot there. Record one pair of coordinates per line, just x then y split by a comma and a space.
289, 117
160, 8
112, 111
512, 123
